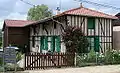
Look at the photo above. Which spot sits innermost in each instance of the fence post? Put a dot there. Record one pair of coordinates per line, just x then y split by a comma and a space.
25, 61
75, 59
58, 58
96, 57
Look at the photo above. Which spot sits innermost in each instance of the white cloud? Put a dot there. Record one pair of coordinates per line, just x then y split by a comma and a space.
15, 9
93, 8
14, 16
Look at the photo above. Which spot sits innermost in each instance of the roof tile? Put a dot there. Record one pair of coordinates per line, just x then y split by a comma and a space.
87, 12
17, 23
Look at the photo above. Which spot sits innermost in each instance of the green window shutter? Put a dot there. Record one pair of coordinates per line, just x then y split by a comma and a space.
52, 44
45, 43
57, 43
96, 44
42, 43
91, 23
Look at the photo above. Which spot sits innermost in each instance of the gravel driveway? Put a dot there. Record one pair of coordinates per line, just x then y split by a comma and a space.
90, 69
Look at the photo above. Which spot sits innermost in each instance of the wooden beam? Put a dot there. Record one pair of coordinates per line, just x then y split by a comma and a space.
82, 21
101, 26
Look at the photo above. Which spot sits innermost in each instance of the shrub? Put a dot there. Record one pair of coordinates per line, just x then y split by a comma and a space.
18, 56
92, 56
75, 40
11, 67
100, 58
116, 57
81, 60
1, 68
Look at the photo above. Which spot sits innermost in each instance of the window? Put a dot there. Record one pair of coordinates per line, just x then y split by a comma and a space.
94, 43
51, 43
91, 23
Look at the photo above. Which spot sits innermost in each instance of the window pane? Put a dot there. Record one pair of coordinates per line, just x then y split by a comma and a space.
91, 23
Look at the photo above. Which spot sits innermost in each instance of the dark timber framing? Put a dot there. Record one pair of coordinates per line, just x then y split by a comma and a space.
102, 29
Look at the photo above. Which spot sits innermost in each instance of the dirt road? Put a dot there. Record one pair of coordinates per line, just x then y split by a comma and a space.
90, 69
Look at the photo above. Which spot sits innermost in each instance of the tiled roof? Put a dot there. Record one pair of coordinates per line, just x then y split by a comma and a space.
87, 12
17, 23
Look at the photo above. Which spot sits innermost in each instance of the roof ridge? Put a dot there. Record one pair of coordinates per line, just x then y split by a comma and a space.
17, 20
99, 12
72, 9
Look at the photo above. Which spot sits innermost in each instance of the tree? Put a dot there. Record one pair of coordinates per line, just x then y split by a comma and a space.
75, 40
39, 12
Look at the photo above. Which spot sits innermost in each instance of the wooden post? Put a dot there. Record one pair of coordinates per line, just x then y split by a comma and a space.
75, 59
58, 59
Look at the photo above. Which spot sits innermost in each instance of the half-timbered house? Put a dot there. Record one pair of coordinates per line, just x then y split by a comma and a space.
45, 35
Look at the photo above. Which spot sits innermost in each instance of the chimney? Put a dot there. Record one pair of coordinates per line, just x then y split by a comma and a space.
81, 5
58, 11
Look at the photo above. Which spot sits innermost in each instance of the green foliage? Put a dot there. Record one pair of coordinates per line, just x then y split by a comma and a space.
112, 57
39, 12
1, 68
81, 60
91, 56
116, 57
19, 56
11, 67
108, 57
75, 40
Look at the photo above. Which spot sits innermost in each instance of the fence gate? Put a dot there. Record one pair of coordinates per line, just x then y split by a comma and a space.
43, 61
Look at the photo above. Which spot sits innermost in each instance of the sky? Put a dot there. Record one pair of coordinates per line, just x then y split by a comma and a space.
16, 9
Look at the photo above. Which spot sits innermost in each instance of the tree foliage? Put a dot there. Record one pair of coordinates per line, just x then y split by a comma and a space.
39, 12
75, 40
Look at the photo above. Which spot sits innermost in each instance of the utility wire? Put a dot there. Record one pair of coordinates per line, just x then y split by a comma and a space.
97, 4
28, 3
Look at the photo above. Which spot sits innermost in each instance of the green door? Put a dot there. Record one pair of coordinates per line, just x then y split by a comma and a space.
94, 43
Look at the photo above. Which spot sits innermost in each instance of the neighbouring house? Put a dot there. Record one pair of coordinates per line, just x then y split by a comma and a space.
15, 33
116, 33
45, 35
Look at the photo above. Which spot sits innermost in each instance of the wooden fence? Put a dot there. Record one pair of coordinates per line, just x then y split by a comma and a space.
43, 61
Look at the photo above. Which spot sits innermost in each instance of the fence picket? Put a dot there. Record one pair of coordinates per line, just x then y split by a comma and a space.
43, 61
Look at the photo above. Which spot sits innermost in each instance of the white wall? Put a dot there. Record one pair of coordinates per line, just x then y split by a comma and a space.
78, 19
